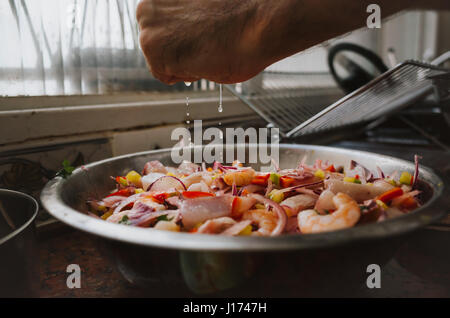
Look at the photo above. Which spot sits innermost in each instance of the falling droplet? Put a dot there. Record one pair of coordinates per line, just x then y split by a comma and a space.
187, 109
220, 109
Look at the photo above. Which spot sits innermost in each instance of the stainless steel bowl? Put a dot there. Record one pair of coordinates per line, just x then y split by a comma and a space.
19, 259
211, 263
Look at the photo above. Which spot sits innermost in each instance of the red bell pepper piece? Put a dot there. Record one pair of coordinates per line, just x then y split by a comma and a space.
261, 180
391, 194
122, 192
160, 197
286, 182
331, 168
196, 194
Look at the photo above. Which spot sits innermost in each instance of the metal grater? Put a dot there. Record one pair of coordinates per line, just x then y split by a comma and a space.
389, 92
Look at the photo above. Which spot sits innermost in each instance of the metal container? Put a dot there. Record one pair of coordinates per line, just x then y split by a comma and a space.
19, 259
176, 264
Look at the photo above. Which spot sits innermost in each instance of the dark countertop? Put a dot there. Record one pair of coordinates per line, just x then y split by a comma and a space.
419, 269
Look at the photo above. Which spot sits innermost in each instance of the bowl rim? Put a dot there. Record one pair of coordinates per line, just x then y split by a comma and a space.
433, 210
30, 220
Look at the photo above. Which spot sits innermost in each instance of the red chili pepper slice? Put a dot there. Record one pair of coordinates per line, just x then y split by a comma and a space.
331, 168
122, 192
196, 194
389, 195
160, 197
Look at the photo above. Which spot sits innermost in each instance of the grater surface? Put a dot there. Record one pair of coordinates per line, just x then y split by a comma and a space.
286, 99
391, 91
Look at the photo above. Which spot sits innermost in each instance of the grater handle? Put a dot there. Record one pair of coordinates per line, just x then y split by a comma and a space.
358, 75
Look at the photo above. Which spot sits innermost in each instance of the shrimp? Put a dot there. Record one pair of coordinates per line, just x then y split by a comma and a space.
239, 177
216, 226
346, 215
265, 220
325, 202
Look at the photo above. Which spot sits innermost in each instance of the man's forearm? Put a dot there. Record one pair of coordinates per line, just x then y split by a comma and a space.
281, 24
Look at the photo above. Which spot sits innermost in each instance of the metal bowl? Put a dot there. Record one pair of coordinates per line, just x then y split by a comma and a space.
212, 263
19, 268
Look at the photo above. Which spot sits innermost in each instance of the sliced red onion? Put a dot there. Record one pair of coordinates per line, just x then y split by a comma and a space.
124, 203
380, 173
218, 165
269, 187
393, 175
416, 170
110, 201
165, 183
367, 173
251, 188
149, 178
234, 189
307, 191
282, 217
304, 175
275, 165
149, 218
301, 186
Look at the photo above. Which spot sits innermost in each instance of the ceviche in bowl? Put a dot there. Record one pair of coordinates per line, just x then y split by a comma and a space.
213, 227
238, 200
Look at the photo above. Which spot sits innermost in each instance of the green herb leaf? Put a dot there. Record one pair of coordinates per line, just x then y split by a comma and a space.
124, 220
66, 170
363, 208
163, 218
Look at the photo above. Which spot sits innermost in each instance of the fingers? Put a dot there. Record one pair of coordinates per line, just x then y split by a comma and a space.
172, 79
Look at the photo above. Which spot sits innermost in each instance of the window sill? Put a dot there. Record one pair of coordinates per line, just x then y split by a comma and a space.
21, 125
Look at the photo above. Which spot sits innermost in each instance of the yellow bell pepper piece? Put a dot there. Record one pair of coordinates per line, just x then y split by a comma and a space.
133, 177
246, 231
406, 178
391, 181
107, 215
276, 195
352, 180
275, 178
319, 174
381, 204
